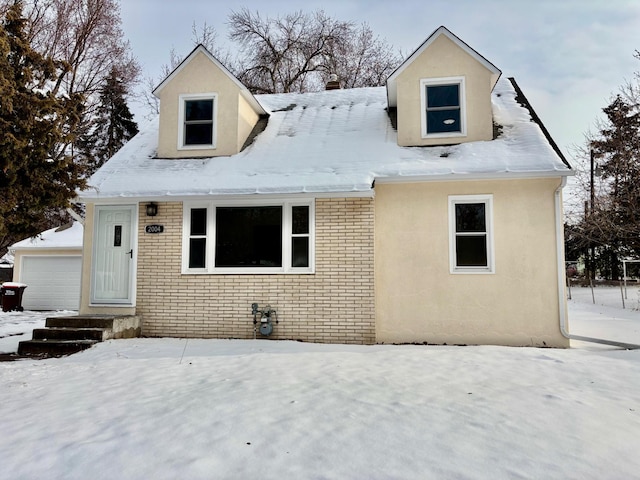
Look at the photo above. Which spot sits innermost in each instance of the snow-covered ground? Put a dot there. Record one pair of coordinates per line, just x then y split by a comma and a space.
606, 318
17, 326
227, 409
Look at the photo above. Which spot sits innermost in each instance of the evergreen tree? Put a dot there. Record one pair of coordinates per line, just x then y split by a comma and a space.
611, 225
112, 126
35, 176
618, 149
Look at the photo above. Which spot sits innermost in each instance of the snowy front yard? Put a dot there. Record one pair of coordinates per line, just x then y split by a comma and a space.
216, 409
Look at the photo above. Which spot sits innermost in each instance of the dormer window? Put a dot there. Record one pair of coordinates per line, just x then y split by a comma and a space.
443, 107
197, 121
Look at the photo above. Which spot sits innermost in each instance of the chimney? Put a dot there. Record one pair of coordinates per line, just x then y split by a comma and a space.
333, 83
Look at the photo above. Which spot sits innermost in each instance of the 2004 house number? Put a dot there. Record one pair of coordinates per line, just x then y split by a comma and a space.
154, 229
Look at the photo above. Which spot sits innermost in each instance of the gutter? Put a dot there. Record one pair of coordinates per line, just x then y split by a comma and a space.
562, 307
369, 192
463, 177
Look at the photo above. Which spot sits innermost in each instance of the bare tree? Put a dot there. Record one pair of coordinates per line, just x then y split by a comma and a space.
362, 59
298, 52
294, 53
86, 36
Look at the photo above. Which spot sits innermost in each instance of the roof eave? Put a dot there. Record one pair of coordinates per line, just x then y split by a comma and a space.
155, 197
448, 177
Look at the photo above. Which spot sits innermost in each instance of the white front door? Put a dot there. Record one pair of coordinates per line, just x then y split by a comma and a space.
113, 255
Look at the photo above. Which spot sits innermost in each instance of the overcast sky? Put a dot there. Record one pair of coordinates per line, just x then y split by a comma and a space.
569, 56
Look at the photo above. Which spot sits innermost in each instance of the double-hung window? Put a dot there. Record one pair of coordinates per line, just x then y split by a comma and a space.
443, 107
274, 237
197, 121
471, 234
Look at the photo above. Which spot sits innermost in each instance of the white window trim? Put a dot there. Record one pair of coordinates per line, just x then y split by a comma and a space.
287, 236
181, 112
488, 201
463, 110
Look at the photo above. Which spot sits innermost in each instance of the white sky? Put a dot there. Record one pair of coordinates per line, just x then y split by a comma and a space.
568, 56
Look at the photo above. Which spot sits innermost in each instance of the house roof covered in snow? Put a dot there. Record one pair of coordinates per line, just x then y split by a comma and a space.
331, 142
64, 237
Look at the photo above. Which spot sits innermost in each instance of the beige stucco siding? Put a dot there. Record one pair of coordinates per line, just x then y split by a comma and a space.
247, 118
443, 59
419, 300
201, 76
336, 304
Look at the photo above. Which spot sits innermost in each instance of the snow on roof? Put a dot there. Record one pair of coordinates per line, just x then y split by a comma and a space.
336, 141
55, 238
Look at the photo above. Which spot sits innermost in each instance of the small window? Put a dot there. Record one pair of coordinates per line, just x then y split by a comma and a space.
300, 236
471, 244
197, 121
198, 238
443, 107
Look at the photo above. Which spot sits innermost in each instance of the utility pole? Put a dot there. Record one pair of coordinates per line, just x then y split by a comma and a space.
592, 262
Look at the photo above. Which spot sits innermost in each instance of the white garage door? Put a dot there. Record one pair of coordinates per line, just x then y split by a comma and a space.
53, 283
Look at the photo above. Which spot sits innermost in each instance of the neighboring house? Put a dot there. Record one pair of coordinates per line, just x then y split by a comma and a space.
50, 264
426, 211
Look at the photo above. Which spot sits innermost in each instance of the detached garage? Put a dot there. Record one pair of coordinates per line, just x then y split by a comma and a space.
51, 267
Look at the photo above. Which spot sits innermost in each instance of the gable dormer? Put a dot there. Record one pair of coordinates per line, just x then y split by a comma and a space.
205, 111
442, 93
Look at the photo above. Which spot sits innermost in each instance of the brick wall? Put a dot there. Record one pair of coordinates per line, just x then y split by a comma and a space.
334, 305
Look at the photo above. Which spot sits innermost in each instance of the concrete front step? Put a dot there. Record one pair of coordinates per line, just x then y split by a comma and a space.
67, 335
114, 326
55, 333
53, 348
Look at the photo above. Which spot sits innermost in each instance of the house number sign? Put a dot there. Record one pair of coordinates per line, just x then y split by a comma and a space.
154, 229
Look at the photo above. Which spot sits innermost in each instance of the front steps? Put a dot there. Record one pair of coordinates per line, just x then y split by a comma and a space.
66, 335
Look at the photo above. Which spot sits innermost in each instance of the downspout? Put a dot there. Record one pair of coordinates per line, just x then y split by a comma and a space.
75, 216
562, 307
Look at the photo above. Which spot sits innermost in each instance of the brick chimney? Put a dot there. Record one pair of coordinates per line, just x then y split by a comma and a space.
333, 83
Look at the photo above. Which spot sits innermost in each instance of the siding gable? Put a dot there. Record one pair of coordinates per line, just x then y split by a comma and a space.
235, 110
443, 59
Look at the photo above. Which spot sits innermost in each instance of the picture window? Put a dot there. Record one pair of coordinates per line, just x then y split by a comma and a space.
228, 238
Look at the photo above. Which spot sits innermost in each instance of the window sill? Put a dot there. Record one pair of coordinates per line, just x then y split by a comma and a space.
250, 271
197, 147
472, 271
427, 136
110, 305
